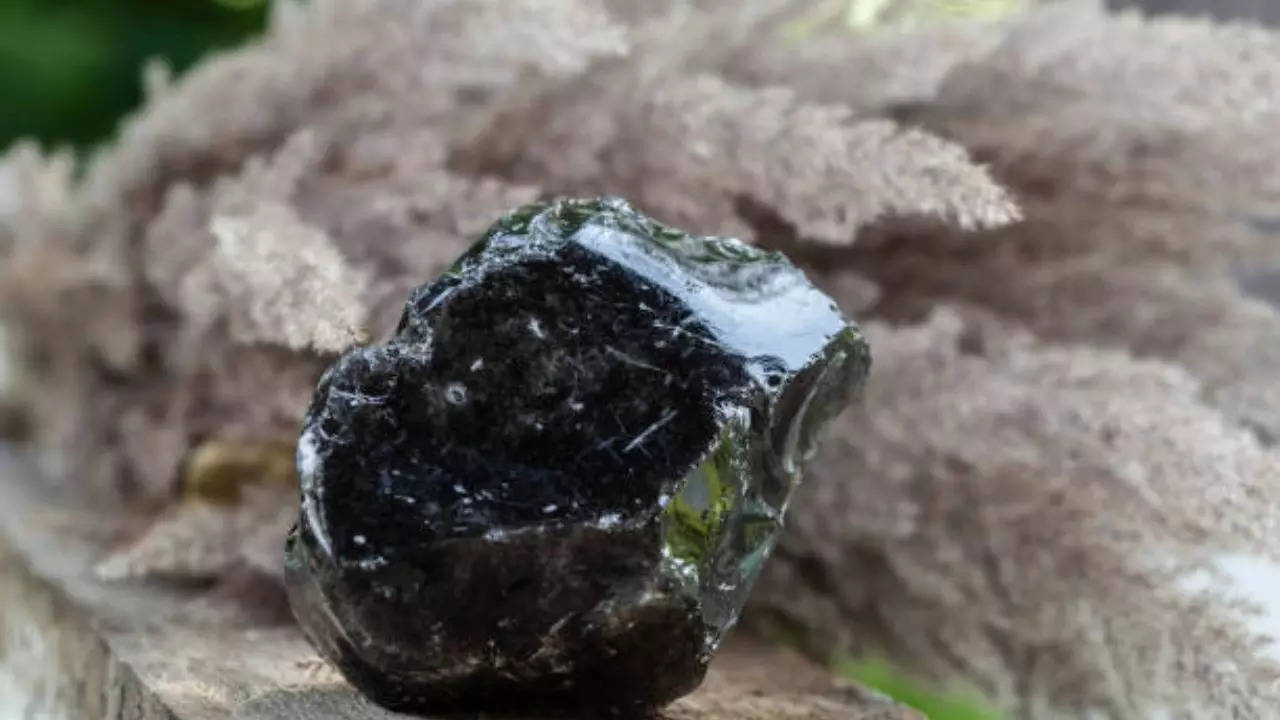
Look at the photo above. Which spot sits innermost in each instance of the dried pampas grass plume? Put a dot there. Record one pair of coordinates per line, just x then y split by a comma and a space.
1042, 520
273, 256
706, 154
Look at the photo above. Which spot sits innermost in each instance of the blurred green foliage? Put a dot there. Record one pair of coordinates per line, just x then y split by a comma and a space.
69, 69
935, 705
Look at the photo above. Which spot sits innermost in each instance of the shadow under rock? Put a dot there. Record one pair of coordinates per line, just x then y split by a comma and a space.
341, 702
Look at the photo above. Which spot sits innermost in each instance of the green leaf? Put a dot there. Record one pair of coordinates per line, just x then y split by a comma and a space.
72, 69
241, 4
934, 704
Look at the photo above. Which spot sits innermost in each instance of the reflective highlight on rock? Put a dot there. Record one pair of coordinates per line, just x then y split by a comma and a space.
555, 485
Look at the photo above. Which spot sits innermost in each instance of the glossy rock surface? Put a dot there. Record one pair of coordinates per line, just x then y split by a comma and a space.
556, 484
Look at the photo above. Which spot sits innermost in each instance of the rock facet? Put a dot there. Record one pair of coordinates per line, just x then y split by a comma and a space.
555, 485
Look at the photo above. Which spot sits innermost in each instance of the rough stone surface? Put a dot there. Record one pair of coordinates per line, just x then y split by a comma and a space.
556, 484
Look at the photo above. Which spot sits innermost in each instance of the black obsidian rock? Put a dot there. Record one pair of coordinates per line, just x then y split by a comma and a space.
555, 485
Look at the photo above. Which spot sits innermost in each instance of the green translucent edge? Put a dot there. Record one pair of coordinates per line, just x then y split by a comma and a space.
693, 534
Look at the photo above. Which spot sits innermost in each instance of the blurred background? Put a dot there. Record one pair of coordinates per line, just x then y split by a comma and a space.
69, 69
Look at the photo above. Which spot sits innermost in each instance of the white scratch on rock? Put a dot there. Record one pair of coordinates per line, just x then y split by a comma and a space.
609, 521
535, 327
650, 430
629, 360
